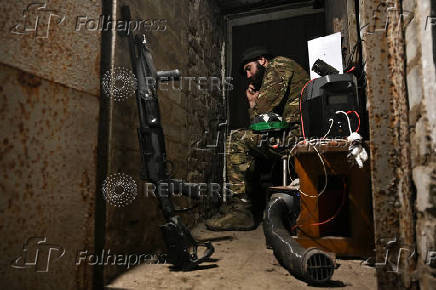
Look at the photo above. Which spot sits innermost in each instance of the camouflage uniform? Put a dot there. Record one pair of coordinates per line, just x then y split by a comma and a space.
279, 93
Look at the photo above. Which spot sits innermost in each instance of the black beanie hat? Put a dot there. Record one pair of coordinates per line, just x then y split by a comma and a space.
251, 54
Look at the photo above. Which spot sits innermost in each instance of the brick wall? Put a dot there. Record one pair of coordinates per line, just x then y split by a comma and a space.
191, 43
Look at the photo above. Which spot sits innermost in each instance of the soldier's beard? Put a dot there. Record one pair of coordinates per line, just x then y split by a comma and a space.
257, 78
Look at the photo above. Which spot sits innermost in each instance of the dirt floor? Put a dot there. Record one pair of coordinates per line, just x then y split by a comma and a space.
243, 262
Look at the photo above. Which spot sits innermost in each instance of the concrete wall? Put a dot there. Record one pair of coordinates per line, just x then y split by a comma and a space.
383, 54
60, 138
49, 110
399, 54
421, 84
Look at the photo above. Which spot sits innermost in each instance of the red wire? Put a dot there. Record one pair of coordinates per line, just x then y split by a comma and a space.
301, 115
304, 136
332, 217
351, 69
335, 215
358, 118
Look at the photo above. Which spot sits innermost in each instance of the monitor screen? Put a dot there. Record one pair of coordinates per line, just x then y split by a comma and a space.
337, 99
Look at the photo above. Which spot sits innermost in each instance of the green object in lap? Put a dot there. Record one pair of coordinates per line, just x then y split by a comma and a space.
262, 127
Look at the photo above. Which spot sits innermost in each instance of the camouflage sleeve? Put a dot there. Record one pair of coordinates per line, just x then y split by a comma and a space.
291, 111
274, 85
253, 113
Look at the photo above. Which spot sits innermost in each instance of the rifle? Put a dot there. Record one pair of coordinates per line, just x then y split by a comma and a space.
182, 247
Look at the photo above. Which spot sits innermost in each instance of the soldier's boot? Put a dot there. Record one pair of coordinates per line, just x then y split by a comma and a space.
236, 216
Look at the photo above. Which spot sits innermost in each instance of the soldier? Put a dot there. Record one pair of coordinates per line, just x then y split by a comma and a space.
275, 86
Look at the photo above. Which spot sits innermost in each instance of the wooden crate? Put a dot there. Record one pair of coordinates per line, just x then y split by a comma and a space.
351, 232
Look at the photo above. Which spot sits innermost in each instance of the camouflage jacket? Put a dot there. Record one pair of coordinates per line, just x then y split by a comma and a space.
280, 90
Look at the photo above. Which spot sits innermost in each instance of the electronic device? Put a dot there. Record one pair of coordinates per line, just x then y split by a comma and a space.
321, 101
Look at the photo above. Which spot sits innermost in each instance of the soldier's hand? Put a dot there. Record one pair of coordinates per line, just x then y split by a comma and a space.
252, 95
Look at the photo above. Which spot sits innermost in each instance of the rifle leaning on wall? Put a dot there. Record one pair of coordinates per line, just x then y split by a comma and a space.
182, 247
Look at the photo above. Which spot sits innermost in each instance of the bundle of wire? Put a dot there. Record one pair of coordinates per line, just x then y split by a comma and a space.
314, 142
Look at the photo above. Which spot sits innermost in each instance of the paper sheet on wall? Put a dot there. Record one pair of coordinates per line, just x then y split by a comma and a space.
328, 49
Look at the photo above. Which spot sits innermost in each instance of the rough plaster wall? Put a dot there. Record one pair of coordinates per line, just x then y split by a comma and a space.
67, 56
191, 43
393, 198
48, 132
422, 101
385, 214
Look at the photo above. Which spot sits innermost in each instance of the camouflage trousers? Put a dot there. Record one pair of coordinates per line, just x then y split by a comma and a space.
240, 161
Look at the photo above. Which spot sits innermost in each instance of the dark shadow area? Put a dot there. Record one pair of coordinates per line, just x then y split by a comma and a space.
198, 268
285, 37
217, 239
331, 283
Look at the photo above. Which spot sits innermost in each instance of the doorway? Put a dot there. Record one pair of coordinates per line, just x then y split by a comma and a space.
284, 32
